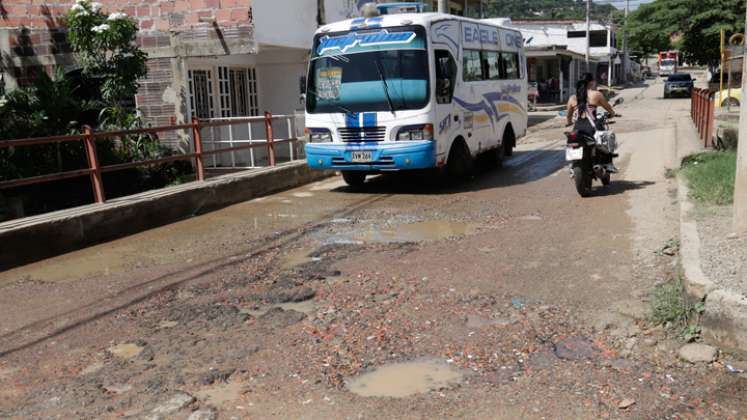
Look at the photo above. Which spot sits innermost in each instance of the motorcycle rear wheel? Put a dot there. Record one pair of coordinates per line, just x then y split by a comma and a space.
582, 180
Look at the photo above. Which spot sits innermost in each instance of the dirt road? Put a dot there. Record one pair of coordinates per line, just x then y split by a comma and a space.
505, 297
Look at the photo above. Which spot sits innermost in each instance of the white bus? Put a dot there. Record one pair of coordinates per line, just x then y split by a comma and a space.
413, 91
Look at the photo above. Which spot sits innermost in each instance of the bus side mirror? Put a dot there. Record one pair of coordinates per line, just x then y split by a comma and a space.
302, 98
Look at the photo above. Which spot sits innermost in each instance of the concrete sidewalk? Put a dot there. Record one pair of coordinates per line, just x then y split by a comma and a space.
30, 239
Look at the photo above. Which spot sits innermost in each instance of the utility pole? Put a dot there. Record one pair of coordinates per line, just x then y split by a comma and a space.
588, 27
443, 6
626, 54
740, 187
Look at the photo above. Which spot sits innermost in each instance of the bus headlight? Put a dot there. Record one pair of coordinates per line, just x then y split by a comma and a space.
416, 132
318, 135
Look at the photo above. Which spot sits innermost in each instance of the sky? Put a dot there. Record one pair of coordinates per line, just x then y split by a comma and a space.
620, 4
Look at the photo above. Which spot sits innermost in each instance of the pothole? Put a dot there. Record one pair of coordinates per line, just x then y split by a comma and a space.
429, 230
307, 307
403, 379
298, 257
222, 394
126, 350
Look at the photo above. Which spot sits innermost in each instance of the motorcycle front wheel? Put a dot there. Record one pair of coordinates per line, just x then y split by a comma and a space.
582, 180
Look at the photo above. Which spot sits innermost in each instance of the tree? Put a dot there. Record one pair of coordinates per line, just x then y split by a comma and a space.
644, 33
547, 9
695, 24
107, 49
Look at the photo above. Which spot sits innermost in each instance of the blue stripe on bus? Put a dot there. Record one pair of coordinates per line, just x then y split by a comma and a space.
352, 120
369, 119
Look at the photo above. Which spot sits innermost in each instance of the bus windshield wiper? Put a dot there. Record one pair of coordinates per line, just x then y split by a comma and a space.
380, 69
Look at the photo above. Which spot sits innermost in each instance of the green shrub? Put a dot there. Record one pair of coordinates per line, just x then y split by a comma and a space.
711, 176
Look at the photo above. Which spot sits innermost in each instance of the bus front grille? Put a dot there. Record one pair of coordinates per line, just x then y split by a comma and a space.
362, 133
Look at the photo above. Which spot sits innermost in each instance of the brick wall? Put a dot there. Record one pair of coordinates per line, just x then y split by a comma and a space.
158, 15
35, 41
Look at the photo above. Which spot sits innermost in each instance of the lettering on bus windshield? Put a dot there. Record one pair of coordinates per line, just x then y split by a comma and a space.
344, 43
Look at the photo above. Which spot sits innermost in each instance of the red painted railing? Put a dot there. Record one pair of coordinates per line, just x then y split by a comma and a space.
95, 170
702, 111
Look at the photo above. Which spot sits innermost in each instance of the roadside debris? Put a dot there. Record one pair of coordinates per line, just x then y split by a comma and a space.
174, 404
626, 403
698, 353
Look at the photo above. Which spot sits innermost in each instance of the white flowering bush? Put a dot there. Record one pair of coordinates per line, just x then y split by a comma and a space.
107, 49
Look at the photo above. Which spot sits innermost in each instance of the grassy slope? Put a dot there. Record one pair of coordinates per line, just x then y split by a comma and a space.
711, 177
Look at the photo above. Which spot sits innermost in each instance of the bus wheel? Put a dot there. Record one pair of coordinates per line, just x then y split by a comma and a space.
460, 163
354, 178
509, 142
498, 155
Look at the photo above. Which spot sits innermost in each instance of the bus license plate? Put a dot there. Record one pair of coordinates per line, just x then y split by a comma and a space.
361, 157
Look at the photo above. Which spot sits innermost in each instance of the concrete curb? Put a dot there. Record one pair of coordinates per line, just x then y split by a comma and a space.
724, 321
34, 238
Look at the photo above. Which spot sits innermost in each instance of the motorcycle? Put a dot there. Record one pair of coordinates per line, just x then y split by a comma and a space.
585, 154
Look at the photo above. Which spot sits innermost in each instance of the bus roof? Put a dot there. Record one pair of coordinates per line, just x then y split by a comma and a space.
400, 20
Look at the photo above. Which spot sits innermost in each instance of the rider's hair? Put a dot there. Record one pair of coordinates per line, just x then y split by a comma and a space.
582, 95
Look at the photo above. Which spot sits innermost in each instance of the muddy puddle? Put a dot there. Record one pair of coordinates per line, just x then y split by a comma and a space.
429, 230
298, 257
403, 379
307, 307
126, 350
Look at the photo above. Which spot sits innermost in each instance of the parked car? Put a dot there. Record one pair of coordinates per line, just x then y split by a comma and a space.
725, 97
678, 84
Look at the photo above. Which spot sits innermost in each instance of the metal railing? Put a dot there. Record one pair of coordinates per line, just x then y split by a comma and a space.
702, 111
244, 131
95, 170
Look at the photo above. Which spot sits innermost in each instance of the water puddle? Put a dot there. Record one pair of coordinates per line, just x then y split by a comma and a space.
222, 394
303, 194
298, 257
429, 230
403, 379
307, 307
126, 350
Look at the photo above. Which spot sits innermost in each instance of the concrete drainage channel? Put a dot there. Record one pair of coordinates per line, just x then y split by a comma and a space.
76, 228
725, 317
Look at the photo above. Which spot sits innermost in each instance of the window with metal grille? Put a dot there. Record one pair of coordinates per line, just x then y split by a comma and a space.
238, 92
201, 93
236, 95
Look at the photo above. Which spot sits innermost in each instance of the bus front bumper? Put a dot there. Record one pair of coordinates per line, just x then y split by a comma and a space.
385, 156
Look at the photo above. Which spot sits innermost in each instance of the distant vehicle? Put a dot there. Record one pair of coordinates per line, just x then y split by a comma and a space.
726, 98
413, 91
678, 84
668, 62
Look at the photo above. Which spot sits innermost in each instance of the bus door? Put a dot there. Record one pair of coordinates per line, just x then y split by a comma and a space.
445, 51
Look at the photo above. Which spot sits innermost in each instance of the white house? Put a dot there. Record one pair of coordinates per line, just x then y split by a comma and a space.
556, 51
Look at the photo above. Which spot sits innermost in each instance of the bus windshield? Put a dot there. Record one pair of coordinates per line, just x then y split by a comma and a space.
667, 63
369, 70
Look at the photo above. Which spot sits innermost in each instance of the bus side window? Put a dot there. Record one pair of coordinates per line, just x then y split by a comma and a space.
446, 70
510, 67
